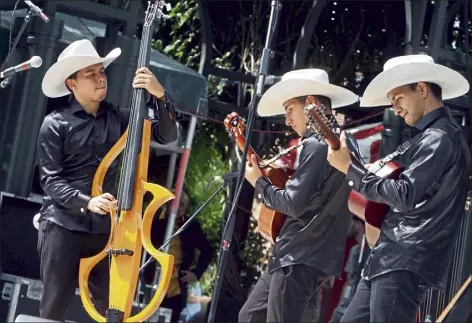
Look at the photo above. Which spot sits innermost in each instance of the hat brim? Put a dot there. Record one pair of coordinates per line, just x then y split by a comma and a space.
452, 83
54, 85
271, 103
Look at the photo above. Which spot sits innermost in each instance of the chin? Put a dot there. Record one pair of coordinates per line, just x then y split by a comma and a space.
100, 98
409, 122
301, 133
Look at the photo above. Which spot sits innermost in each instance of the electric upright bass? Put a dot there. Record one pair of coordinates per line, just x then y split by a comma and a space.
130, 230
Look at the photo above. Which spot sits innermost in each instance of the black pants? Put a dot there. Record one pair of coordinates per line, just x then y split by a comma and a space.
392, 297
282, 296
176, 304
60, 251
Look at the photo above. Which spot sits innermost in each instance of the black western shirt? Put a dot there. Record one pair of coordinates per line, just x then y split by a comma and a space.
314, 201
71, 144
426, 202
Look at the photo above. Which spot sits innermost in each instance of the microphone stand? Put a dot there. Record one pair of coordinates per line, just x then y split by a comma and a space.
267, 53
27, 19
185, 225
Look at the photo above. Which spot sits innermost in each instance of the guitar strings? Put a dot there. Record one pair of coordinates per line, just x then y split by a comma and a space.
132, 129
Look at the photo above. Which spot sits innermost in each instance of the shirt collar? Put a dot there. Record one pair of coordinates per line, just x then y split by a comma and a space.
308, 133
76, 108
428, 119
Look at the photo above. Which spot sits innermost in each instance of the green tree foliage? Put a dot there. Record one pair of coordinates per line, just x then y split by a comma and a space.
351, 40
179, 38
207, 161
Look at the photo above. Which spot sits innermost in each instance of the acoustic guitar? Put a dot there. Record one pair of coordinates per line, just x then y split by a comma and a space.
371, 213
269, 222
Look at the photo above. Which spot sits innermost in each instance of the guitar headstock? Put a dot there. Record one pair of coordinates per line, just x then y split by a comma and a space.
234, 125
154, 9
320, 124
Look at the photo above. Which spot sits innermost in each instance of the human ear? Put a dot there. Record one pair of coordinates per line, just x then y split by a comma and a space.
423, 89
310, 99
71, 84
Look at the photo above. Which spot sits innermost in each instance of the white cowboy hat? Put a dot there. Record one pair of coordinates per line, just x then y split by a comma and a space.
76, 56
407, 69
303, 82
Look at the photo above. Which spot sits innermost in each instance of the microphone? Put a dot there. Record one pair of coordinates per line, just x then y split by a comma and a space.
37, 11
34, 62
227, 177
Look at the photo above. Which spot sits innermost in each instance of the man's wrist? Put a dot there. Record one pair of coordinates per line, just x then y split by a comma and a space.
346, 169
161, 96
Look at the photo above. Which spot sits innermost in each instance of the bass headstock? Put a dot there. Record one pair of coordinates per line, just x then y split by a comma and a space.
320, 124
234, 125
155, 10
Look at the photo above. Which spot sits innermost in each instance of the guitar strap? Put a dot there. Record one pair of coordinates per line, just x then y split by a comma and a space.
400, 151
282, 153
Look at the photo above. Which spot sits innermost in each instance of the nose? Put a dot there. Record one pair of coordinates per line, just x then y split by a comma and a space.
101, 78
396, 109
288, 121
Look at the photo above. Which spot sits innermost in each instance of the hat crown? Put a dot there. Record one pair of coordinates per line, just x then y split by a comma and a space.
79, 48
312, 74
407, 59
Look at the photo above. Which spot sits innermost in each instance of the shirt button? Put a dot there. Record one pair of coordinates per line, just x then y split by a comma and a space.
259, 196
351, 183
82, 210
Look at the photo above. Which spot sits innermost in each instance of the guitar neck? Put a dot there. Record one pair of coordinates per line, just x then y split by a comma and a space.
333, 141
241, 142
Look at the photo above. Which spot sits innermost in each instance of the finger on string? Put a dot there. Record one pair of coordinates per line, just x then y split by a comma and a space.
343, 139
143, 81
143, 76
108, 196
253, 159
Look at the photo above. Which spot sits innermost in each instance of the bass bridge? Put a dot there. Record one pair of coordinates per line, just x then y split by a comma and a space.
120, 252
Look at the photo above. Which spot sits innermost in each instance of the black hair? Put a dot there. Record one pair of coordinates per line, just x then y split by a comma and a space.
73, 76
435, 89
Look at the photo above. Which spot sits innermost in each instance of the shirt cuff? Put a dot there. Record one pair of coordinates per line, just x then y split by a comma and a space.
354, 175
82, 202
261, 183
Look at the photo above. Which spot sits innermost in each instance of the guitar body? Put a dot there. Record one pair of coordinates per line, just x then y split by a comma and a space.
270, 222
371, 212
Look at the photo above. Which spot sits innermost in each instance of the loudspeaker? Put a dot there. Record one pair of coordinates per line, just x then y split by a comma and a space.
18, 236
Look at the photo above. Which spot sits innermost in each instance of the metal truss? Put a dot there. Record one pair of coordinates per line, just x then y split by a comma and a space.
444, 14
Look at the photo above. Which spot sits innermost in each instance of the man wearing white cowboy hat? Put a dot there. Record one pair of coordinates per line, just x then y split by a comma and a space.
310, 247
427, 201
71, 143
